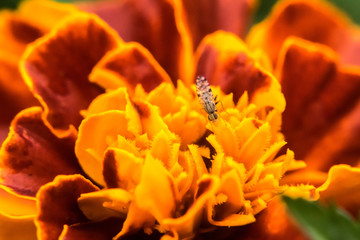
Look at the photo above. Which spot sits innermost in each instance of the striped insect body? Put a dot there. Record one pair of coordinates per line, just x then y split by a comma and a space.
206, 97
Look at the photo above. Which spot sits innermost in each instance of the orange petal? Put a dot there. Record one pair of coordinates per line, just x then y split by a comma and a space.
151, 120
17, 215
188, 223
121, 169
320, 121
61, 197
156, 192
96, 133
104, 204
12, 204
225, 61
30, 149
18, 28
162, 148
155, 197
343, 187
13, 228
316, 21
128, 66
58, 77
150, 23
204, 17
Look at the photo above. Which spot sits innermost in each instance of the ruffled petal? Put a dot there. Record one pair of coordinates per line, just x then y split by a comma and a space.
127, 66
152, 24
30, 149
17, 29
343, 187
320, 121
316, 21
57, 203
57, 66
225, 61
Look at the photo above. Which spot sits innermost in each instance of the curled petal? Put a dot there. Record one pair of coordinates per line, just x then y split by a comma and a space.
225, 61
343, 187
226, 212
316, 21
274, 223
61, 197
30, 149
152, 24
56, 68
189, 222
96, 134
17, 29
127, 66
321, 104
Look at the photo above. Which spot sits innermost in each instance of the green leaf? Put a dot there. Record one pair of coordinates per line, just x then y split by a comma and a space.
321, 222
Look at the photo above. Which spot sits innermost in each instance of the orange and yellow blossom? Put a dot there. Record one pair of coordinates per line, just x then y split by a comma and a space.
157, 163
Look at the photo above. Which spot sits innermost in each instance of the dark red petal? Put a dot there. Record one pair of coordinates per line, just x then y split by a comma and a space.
57, 202
203, 17
148, 22
315, 21
128, 66
319, 95
32, 156
56, 67
225, 61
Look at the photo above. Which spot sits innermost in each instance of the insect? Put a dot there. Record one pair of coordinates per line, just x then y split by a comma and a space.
206, 97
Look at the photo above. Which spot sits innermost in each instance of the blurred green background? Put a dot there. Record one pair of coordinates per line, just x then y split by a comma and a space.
351, 7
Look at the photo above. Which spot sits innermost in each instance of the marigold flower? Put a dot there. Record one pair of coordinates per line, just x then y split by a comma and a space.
122, 148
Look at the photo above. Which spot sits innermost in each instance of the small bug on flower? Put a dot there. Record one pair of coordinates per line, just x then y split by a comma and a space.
206, 97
